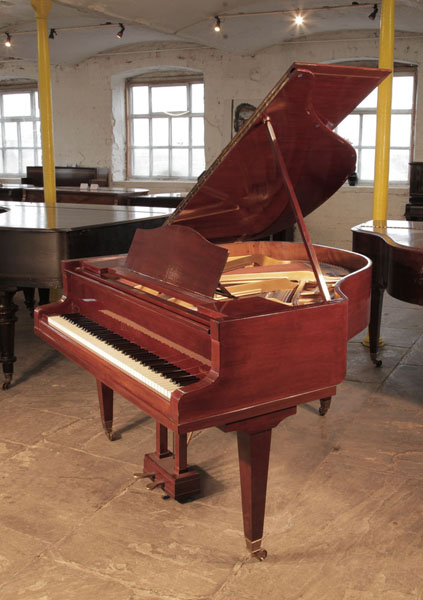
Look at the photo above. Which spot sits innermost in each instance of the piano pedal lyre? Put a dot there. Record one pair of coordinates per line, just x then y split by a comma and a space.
170, 469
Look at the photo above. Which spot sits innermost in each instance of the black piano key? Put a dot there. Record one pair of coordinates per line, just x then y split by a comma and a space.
141, 355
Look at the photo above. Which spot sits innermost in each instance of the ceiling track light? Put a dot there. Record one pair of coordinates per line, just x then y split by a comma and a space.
297, 16
8, 41
372, 15
121, 31
52, 34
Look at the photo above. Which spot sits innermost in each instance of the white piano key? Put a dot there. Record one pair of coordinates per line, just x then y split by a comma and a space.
142, 373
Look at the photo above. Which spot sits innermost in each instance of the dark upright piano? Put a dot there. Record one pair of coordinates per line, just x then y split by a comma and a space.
396, 250
232, 335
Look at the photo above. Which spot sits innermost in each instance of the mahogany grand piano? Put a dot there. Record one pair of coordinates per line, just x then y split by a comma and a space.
198, 331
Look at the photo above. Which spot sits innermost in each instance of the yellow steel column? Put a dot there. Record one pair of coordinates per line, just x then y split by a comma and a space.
383, 130
42, 9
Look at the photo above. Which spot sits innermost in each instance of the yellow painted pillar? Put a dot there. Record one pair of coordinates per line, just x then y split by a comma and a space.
383, 130
42, 9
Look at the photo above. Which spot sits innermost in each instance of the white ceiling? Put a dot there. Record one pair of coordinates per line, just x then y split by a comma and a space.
156, 21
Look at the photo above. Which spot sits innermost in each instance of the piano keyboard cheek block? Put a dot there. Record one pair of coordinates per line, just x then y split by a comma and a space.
199, 331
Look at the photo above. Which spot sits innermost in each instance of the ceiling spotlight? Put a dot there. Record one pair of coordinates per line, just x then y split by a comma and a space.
217, 24
52, 33
299, 19
372, 15
121, 30
8, 41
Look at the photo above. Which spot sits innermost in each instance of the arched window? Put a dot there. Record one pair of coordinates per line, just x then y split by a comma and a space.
165, 116
359, 128
20, 137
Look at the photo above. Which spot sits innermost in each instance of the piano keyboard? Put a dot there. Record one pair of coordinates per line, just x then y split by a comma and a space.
148, 368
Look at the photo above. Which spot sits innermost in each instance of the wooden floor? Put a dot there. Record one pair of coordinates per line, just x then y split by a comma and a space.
345, 496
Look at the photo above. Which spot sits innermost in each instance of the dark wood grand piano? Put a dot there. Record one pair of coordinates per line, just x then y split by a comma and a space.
34, 238
396, 250
198, 331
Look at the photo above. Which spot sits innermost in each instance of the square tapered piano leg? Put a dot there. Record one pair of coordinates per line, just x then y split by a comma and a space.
171, 470
105, 398
254, 436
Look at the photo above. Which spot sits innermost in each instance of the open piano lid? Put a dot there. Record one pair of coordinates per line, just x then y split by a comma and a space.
243, 194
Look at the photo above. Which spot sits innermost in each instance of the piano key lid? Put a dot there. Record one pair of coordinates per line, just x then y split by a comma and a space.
244, 194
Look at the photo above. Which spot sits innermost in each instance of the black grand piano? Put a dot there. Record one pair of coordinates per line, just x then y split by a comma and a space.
202, 324
396, 250
34, 238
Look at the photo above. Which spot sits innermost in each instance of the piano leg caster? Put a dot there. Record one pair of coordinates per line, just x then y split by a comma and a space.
377, 362
108, 430
7, 381
324, 406
254, 547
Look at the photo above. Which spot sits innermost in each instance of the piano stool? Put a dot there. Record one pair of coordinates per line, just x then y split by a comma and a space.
76, 524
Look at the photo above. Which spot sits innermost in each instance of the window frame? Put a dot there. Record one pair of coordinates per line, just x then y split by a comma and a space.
130, 116
33, 118
399, 71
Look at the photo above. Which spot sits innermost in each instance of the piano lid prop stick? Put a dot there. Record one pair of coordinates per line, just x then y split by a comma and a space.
297, 212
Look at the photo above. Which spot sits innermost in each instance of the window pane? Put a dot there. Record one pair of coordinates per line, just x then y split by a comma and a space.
11, 134
349, 129
27, 134
1, 162
161, 162
400, 130
197, 98
39, 160
160, 132
140, 132
37, 106
17, 105
370, 101
141, 162
368, 135
38, 132
367, 165
402, 92
11, 162
398, 165
169, 98
180, 163
140, 100
180, 131
198, 162
27, 159
197, 131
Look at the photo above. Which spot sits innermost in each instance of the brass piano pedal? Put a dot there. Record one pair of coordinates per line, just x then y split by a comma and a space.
154, 484
143, 475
